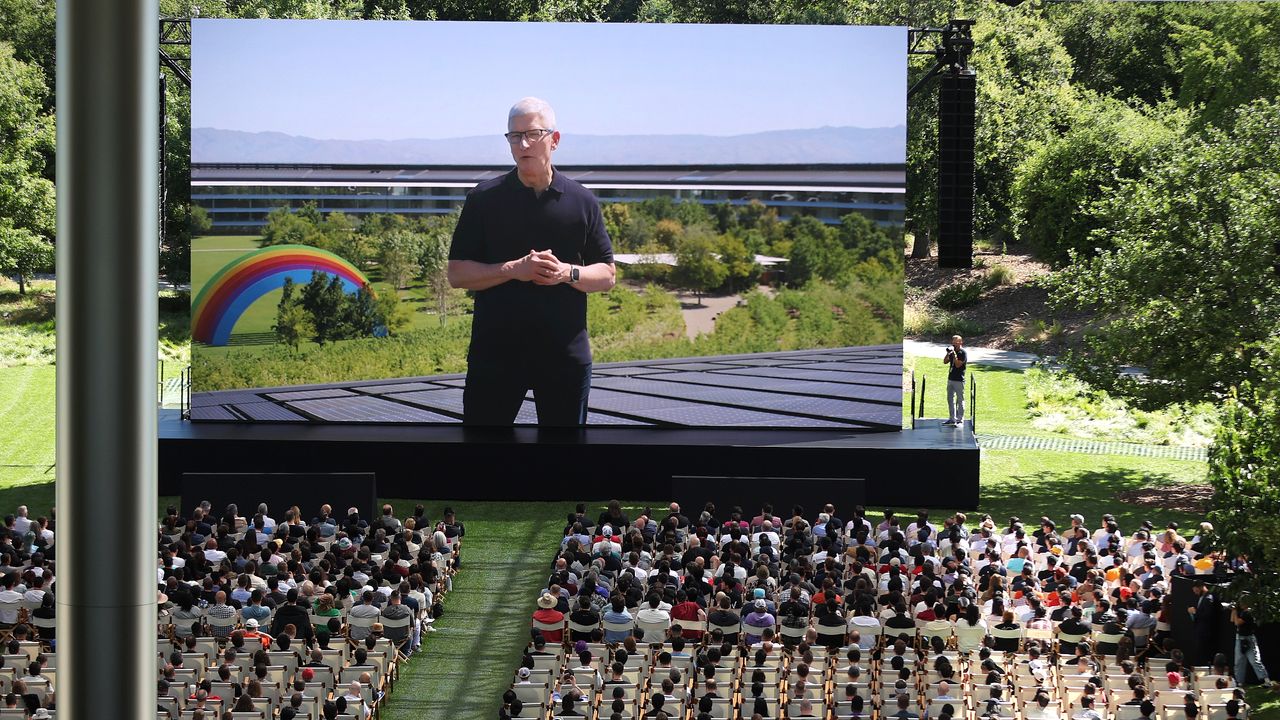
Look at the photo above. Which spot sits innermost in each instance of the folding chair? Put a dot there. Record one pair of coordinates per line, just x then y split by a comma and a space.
366, 622
617, 627
733, 629
791, 635
532, 694
227, 623
1219, 712
826, 632
403, 623
1014, 634
580, 628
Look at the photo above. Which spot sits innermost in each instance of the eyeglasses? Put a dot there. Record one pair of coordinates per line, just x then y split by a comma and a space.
532, 136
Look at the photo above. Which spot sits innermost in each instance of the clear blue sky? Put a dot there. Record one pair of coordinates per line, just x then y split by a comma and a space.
360, 80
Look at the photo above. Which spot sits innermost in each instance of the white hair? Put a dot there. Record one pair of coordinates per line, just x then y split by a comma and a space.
534, 106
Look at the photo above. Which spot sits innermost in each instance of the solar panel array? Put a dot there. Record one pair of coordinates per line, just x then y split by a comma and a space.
858, 388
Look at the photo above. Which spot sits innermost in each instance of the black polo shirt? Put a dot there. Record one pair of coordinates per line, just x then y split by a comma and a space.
519, 321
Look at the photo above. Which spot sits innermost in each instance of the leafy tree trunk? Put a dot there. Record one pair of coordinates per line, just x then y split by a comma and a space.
22, 284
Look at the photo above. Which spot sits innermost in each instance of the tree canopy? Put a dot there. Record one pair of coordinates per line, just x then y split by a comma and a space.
1189, 285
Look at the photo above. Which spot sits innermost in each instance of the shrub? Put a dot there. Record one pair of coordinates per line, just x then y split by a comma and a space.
961, 294
924, 320
999, 275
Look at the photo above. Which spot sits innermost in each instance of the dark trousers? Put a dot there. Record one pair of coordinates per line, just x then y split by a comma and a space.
494, 392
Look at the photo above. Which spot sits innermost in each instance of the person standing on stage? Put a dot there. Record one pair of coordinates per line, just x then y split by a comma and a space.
531, 244
958, 360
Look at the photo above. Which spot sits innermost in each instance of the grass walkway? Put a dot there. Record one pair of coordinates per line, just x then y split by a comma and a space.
464, 667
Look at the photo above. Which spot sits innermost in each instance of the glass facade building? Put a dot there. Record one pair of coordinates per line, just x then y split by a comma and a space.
239, 197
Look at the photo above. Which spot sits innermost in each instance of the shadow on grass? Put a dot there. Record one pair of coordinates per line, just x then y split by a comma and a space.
34, 308
257, 338
1090, 492
38, 497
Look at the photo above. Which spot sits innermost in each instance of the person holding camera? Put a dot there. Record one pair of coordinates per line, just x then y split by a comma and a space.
1247, 646
958, 360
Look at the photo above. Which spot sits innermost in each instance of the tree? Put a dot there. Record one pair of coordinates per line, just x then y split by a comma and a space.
287, 228
29, 26
360, 312
393, 311
1025, 96
322, 298
815, 251
1119, 49
339, 229
697, 268
1226, 57
437, 235
740, 266
1244, 470
23, 254
200, 222
864, 239
667, 233
1057, 186
26, 141
617, 216
293, 323
400, 256
1189, 288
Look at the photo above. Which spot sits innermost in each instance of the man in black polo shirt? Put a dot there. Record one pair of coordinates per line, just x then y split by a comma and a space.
531, 244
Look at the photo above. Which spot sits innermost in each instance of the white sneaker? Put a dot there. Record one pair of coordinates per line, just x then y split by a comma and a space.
430, 628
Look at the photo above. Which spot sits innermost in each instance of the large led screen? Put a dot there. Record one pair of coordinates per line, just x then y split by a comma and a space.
633, 225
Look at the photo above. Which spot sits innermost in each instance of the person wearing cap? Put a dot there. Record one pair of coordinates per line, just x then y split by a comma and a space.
547, 614
522, 676
757, 620
251, 634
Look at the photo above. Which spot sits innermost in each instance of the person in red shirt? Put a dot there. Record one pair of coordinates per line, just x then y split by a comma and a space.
251, 634
686, 609
549, 615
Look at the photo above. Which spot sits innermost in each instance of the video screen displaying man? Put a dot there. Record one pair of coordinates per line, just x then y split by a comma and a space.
531, 244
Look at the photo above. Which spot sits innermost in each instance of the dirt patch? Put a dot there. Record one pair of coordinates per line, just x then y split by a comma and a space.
1192, 498
1007, 314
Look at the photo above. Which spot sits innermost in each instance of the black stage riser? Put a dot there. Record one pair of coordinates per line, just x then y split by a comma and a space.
899, 469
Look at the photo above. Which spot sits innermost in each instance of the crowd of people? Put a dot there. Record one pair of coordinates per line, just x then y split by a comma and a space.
295, 618
770, 615
27, 614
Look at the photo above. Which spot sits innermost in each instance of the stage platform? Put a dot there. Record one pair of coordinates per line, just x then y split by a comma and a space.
929, 466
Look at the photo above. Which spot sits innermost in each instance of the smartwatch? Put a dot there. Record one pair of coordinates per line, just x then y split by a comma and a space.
573, 274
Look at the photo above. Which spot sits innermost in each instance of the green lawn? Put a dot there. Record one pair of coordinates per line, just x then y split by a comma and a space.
1001, 399
26, 430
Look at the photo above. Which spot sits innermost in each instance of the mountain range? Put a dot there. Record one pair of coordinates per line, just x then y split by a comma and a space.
824, 145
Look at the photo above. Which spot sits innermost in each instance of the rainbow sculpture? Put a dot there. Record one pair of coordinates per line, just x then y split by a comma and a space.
233, 289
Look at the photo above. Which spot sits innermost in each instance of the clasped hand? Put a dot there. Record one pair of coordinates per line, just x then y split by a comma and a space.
541, 267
